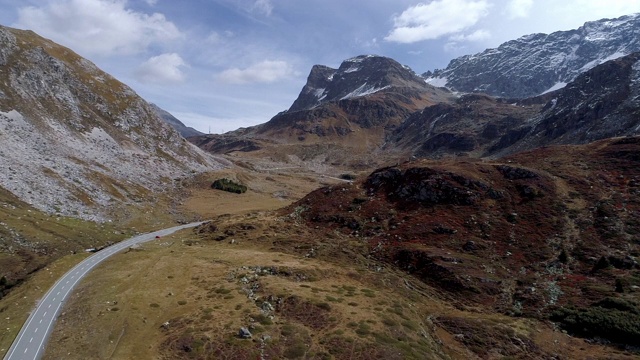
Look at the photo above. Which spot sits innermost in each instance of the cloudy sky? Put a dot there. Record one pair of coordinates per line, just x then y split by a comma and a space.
223, 64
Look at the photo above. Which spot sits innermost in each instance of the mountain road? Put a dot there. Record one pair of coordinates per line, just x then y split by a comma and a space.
31, 341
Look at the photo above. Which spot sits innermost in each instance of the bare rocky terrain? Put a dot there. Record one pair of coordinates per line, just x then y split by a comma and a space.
77, 142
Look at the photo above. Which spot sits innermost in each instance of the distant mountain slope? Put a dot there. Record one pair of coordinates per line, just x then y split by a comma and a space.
601, 103
184, 130
76, 141
471, 126
570, 87
537, 63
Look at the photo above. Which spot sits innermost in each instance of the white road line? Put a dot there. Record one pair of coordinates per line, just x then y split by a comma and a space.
25, 350
31, 340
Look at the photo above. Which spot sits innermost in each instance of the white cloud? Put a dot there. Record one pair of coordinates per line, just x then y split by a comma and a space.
100, 27
436, 19
213, 38
519, 8
478, 35
151, 2
162, 69
264, 7
267, 71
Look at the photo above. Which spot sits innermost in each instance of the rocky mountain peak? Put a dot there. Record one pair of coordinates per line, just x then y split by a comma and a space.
357, 76
538, 63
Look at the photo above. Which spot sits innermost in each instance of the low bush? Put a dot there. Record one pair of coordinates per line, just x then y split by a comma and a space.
350, 177
229, 186
613, 319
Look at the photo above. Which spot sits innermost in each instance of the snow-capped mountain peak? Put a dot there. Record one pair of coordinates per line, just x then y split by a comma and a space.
538, 63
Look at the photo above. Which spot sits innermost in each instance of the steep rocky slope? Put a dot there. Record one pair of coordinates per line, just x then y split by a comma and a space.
356, 77
365, 95
537, 63
77, 142
600, 103
473, 125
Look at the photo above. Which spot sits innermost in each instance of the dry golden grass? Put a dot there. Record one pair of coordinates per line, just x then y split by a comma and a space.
270, 187
119, 310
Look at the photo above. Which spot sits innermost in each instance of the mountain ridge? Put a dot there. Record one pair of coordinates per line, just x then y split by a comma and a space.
537, 63
75, 140
184, 130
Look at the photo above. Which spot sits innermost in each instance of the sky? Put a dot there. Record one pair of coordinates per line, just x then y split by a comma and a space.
218, 65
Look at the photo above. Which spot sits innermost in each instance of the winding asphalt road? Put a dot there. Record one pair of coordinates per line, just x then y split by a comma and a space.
30, 342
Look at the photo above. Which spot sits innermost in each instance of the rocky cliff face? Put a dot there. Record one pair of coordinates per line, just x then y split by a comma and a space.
601, 103
472, 125
537, 63
75, 141
367, 96
356, 77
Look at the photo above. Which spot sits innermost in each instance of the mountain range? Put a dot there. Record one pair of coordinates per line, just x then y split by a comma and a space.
378, 109
539, 63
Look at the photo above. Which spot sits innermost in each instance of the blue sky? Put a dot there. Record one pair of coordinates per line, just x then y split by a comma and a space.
223, 64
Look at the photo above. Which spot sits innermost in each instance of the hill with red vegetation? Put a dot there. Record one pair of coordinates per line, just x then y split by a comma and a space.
549, 234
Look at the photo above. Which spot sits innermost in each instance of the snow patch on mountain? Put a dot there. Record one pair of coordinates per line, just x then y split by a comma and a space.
436, 81
559, 85
352, 69
363, 90
359, 59
320, 94
591, 64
